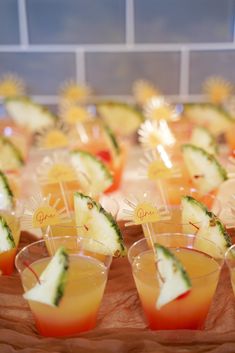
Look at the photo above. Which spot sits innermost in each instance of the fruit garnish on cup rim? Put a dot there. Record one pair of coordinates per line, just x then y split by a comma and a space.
209, 226
173, 279
216, 119
94, 169
50, 286
6, 237
124, 119
98, 224
204, 169
25, 112
6, 194
10, 156
202, 137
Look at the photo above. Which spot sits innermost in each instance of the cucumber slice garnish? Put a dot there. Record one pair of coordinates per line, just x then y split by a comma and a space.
97, 223
206, 172
27, 113
209, 226
201, 137
10, 155
215, 118
121, 117
173, 279
6, 238
6, 194
111, 141
99, 177
52, 280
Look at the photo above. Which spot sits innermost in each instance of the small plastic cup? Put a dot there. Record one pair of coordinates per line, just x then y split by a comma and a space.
230, 261
12, 218
89, 263
202, 260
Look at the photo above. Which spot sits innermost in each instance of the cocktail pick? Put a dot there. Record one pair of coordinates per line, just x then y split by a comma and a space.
72, 92
217, 89
142, 210
41, 212
144, 90
11, 86
53, 137
157, 108
154, 133
157, 166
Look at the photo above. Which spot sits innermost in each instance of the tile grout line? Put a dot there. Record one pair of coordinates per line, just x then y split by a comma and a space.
52, 99
23, 25
80, 67
116, 47
130, 22
184, 72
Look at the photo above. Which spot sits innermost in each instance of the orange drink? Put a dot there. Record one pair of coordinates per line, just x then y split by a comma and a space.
84, 288
201, 259
96, 138
7, 258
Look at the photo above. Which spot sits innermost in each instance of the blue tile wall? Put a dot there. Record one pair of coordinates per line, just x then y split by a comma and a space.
117, 71
9, 22
177, 21
43, 72
108, 44
76, 22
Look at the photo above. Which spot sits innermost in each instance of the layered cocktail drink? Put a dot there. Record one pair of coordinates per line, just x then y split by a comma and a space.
87, 266
202, 260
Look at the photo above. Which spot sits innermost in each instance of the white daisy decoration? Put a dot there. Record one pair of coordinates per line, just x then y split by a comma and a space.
152, 133
143, 210
157, 108
41, 212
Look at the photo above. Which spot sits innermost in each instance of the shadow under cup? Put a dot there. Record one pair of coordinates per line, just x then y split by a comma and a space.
202, 260
89, 262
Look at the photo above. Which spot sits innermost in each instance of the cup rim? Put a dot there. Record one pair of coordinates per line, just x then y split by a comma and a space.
220, 262
43, 240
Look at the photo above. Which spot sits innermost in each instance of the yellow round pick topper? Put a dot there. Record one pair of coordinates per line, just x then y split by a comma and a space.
75, 114
217, 89
145, 213
45, 216
11, 86
157, 170
61, 173
54, 139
